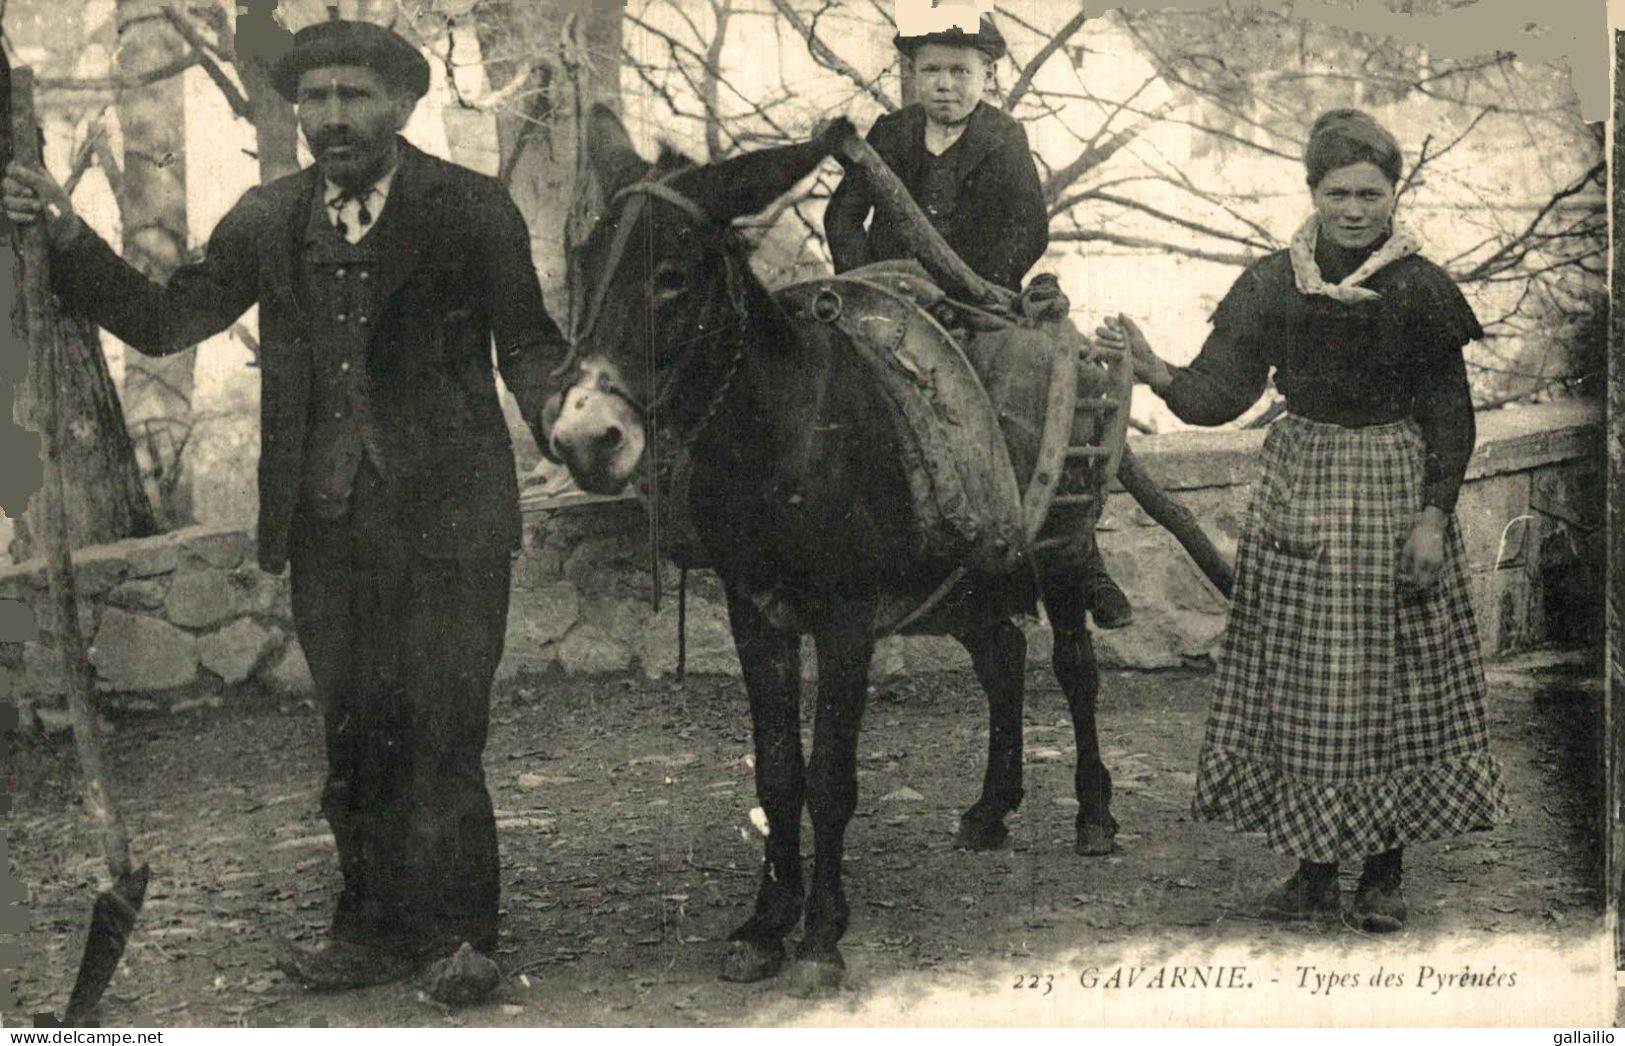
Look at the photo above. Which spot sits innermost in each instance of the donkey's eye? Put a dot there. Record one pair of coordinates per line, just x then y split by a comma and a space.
669, 281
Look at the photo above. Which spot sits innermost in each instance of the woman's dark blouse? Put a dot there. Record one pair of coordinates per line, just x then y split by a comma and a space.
1357, 364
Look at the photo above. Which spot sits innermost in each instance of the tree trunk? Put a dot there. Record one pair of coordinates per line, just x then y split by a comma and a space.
152, 206
537, 140
258, 40
570, 50
103, 498
711, 80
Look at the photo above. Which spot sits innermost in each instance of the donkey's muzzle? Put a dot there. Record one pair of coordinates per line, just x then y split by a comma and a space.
599, 438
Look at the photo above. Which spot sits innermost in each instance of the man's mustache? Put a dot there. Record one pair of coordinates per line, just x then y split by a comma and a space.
323, 142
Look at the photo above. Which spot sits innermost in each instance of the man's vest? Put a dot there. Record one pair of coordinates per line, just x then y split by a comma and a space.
339, 281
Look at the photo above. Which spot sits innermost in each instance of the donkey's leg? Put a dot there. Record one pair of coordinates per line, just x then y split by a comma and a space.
832, 795
1079, 677
999, 654
771, 663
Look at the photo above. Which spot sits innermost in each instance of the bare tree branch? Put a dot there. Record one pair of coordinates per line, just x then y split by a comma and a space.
498, 99
1094, 156
1184, 223
1170, 71
713, 64
1098, 236
182, 24
659, 89
1120, 108
1024, 82
1574, 262
678, 47
1424, 157
118, 83
1513, 252
85, 154
110, 168
827, 58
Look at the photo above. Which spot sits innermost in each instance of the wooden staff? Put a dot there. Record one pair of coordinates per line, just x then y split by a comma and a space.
919, 235
1176, 519
114, 913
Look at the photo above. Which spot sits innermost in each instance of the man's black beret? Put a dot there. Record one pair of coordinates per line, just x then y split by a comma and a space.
339, 42
987, 39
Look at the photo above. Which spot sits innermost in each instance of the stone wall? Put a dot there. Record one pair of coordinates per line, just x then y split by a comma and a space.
172, 621
184, 618
1530, 515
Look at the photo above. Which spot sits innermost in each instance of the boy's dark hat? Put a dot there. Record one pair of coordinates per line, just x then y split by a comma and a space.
987, 39
339, 42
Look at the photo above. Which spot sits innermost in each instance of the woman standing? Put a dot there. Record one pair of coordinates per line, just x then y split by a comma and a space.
1348, 718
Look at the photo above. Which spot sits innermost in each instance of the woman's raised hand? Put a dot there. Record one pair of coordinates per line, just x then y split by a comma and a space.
1123, 335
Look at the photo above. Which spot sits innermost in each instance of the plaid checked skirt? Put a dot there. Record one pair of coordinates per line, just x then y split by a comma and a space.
1348, 717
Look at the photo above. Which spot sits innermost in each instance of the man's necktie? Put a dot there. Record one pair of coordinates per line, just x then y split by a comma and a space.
351, 216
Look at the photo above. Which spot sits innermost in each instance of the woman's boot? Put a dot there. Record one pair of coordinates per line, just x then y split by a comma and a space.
1310, 892
1379, 903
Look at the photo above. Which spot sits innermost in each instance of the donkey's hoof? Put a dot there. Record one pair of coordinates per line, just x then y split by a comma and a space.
1096, 841
748, 961
980, 834
811, 978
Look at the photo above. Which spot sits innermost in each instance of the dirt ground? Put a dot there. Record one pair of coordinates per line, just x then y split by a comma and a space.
628, 852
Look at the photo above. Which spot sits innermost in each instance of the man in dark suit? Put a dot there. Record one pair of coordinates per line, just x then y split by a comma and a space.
386, 476
968, 166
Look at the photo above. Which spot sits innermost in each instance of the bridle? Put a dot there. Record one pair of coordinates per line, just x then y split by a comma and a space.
637, 198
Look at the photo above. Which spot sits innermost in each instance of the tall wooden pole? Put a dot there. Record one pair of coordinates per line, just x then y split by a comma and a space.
1177, 520
38, 322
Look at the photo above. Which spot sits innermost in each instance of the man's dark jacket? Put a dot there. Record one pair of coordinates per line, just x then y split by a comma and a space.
997, 223
459, 270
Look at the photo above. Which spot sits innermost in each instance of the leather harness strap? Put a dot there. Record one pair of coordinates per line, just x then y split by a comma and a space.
636, 192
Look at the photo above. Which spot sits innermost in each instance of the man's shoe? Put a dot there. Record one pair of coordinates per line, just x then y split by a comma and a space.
1303, 896
341, 965
1107, 604
463, 978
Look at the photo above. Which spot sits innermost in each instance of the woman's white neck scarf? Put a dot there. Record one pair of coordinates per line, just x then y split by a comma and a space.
1306, 272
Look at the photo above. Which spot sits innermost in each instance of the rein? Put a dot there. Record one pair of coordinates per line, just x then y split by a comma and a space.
637, 197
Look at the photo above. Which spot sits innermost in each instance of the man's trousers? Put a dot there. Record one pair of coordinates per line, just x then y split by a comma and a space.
403, 649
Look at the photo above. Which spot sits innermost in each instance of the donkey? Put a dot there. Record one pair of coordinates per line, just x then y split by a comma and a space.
800, 502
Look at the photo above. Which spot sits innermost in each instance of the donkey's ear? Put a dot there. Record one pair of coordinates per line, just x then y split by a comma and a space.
747, 184
609, 151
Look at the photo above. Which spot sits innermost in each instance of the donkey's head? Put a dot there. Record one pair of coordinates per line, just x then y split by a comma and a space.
665, 293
